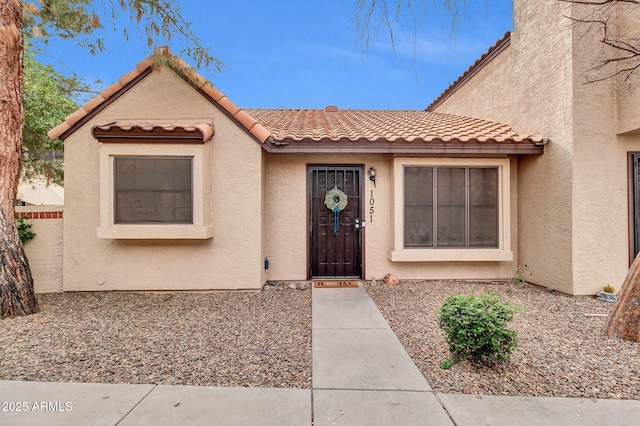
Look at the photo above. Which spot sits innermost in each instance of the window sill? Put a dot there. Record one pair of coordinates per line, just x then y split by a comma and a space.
450, 255
156, 232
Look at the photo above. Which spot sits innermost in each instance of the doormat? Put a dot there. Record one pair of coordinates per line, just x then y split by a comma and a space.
335, 284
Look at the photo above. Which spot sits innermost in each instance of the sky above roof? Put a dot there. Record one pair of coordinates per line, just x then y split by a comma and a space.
305, 54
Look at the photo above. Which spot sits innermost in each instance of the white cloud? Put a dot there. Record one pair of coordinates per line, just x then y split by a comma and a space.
437, 48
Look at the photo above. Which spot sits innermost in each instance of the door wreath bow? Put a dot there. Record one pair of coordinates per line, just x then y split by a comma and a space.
336, 201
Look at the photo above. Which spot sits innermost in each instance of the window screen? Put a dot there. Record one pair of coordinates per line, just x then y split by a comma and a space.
153, 190
418, 207
483, 207
451, 207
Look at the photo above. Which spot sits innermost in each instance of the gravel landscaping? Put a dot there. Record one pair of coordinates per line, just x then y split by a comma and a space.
264, 340
214, 339
561, 352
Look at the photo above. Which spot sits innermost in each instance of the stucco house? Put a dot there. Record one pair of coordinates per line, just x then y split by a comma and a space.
171, 186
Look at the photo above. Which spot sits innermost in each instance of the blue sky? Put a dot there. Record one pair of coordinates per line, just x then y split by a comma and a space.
303, 53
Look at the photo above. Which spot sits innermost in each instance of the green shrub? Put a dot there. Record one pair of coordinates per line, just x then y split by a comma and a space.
446, 364
475, 328
24, 229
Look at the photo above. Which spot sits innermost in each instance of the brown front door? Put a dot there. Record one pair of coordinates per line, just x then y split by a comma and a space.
335, 234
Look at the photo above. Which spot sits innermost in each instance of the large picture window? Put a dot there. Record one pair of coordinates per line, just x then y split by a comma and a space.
451, 207
153, 190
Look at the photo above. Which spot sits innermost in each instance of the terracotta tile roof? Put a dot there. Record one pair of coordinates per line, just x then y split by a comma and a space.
487, 57
320, 130
382, 126
205, 131
160, 55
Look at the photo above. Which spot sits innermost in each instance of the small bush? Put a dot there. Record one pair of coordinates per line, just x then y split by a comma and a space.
475, 328
24, 229
446, 364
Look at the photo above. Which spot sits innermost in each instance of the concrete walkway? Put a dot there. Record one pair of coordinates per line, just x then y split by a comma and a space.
361, 376
361, 372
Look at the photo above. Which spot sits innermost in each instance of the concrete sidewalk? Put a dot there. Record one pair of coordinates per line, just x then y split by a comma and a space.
114, 404
361, 376
361, 372
111, 404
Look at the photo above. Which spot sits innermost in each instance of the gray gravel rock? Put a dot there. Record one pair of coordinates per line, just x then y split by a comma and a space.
561, 352
210, 339
264, 340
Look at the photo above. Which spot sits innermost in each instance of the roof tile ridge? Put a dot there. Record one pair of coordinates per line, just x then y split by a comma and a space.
144, 64
227, 104
104, 95
250, 123
195, 78
179, 66
129, 77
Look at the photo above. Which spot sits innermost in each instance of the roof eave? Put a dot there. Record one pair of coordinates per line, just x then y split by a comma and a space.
144, 68
434, 147
93, 107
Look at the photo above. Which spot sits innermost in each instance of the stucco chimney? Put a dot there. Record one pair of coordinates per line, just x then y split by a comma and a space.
331, 108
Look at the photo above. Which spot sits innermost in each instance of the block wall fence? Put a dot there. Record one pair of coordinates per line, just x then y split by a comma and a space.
45, 250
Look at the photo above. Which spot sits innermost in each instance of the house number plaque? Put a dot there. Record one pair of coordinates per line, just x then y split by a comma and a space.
372, 203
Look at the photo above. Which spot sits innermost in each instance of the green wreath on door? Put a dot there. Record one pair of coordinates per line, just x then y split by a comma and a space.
336, 201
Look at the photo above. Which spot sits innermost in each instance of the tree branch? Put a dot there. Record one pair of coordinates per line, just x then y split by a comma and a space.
622, 54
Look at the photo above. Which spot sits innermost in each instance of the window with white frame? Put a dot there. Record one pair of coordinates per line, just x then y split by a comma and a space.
451, 207
153, 190
451, 210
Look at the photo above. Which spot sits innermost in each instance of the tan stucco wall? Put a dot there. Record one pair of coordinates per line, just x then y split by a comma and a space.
44, 252
542, 105
573, 200
532, 77
628, 105
600, 183
486, 94
286, 217
287, 232
263, 218
232, 259
579, 187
